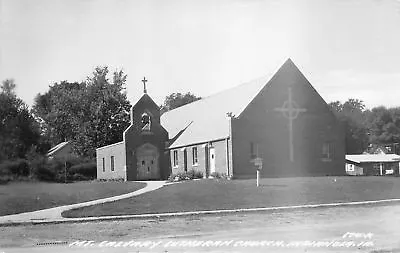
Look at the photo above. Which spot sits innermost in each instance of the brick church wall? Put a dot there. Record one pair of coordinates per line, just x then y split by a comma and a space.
201, 157
220, 158
261, 124
116, 150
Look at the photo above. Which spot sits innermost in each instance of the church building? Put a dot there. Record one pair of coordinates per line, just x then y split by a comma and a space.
278, 124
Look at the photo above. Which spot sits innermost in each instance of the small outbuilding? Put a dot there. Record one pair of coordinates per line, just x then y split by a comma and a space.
62, 151
372, 164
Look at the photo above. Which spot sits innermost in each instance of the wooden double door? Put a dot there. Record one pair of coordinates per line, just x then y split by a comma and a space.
147, 157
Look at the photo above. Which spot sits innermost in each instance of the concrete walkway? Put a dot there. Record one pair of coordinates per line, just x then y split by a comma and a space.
54, 214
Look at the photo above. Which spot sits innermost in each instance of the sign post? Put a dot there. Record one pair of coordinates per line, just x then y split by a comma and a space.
258, 162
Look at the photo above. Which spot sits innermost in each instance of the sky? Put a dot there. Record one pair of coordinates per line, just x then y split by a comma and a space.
345, 48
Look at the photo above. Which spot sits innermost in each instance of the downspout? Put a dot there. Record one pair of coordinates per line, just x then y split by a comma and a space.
227, 154
228, 147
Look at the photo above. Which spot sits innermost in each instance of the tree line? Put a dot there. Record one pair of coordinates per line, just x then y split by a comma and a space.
95, 112
364, 127
89, 114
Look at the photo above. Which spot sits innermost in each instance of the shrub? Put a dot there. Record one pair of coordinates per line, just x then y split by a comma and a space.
192, 174
77, 169
44, 173
41, 168
4, 179
219, 175
111, 180
87, 170
19, 167
79, 177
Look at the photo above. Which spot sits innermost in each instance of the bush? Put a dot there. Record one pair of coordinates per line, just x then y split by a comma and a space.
192, 174
45, 174
79, 177
19, 167
4, 179
54, 169
87, 170
219, 175
39, 167
119, 180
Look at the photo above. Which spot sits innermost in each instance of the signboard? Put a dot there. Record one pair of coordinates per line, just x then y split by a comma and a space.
258, 161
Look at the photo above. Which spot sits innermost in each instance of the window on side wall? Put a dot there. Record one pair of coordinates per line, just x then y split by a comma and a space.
112, 163
194, 156
175, 159
327, 152
104, 164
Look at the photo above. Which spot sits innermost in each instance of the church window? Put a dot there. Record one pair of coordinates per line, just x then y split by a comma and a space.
327, 151
175, 158
146, 122
194, 156
112, 163
104, 164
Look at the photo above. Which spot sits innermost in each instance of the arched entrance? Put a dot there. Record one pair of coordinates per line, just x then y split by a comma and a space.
147, 162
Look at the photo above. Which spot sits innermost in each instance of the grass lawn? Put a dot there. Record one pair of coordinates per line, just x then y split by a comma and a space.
223, 194
18, 197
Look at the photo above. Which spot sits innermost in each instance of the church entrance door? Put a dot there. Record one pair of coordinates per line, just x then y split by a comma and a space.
212, 160
185, 163
147, 162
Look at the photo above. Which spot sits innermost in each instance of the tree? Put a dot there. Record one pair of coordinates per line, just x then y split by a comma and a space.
18, 129
384, 125
8, 87
90, 114
176, 100
352, 116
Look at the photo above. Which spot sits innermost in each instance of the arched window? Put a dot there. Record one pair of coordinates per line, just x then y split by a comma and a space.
146, 122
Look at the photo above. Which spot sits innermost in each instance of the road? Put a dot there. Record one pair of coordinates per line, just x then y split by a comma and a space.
372, 228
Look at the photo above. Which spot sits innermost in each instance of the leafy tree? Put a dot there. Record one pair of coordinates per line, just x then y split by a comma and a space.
18, 129
352, 115
384, 125
91, 114
176, 100
8, 87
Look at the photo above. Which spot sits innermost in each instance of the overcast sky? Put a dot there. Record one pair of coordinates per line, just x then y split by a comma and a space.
345, 48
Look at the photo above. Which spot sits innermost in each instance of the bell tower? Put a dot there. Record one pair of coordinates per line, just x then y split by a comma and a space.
145, 141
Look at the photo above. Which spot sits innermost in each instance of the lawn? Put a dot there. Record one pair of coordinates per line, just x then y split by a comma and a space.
210, 194
18, 197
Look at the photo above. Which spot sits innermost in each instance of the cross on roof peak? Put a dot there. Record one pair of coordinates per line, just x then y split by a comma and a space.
144, 85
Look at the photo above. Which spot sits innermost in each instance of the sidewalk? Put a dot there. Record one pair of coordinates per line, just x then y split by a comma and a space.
52, 215
59, 219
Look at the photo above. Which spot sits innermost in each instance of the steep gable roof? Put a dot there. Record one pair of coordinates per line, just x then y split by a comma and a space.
206, 119
57, 148
145, 98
